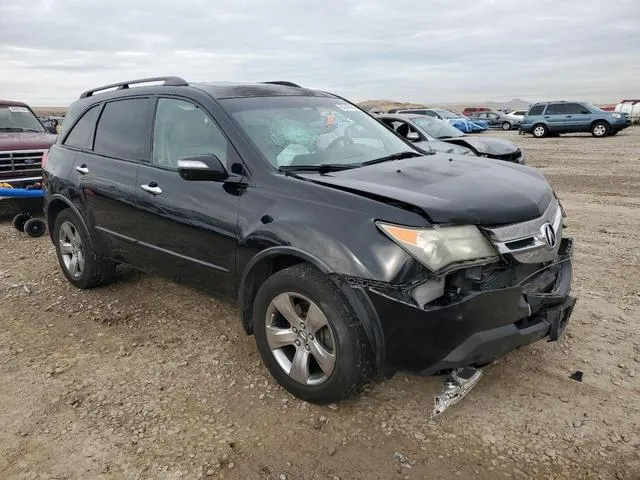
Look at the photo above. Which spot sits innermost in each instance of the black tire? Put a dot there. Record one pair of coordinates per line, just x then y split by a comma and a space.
540, 130
96, 270
354, 358
600, 129
35, 227
19, 221
506, 126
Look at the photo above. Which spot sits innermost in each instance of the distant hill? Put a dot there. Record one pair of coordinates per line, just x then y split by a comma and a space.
385, 105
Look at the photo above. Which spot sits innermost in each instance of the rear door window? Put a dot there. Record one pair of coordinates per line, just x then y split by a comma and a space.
536, 110
81, 135
556, 109
124, 129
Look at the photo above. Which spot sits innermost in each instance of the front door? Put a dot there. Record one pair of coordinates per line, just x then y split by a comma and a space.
578, 117
188, 228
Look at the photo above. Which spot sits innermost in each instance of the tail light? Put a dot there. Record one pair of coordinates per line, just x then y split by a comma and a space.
45, 157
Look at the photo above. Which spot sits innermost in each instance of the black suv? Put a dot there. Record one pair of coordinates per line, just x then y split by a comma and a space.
348, 251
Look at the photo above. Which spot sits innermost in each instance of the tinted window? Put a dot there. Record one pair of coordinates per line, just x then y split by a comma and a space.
124, 128
183, 130
80, 135
536, 110
430, 113
575, 109
555, 109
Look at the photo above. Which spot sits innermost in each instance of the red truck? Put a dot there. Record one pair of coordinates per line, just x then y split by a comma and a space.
23, 141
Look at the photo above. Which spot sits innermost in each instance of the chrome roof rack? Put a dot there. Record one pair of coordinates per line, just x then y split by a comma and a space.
283, 83
168, 81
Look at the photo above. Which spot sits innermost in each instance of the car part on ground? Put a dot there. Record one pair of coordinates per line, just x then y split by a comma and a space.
555, 118
455, 387
348, 250
431, 134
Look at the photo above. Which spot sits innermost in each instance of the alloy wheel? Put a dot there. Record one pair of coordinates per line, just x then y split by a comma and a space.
71, 249
300, 338
599, 130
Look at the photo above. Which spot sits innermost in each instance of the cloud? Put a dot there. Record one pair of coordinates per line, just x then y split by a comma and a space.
468, 50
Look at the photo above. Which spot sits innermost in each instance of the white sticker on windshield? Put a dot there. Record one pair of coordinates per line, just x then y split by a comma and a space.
18, 109
345, 107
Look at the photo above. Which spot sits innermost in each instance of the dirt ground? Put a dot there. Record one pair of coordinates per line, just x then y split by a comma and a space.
148, 379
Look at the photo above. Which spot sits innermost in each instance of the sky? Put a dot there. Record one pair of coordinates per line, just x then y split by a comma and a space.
411, 50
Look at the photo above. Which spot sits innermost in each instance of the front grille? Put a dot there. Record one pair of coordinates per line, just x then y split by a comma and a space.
20, 163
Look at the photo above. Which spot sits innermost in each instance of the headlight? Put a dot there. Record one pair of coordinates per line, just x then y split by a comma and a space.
616, 115
439, 247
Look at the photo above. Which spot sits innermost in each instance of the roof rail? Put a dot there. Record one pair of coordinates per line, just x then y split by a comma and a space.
283, 83
168, 81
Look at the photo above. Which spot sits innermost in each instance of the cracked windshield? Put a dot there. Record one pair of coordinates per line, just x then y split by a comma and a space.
303, 131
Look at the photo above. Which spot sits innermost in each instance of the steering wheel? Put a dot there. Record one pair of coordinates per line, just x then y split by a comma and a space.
344, 139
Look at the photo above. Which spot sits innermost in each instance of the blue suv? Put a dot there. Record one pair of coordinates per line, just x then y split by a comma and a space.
547, 118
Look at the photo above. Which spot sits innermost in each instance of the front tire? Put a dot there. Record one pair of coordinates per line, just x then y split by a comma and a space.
506, 126
600, 129
78, 259
540, 130
308, 337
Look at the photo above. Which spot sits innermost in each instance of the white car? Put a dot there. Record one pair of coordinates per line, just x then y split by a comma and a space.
517, 115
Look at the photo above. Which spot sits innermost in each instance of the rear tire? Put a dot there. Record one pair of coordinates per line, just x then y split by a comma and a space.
300, 318
78, 259
506, 126
19, 221
35, 227
600, 129
540, 130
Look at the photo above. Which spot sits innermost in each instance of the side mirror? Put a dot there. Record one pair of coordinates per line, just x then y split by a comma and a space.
202, 168
413, 136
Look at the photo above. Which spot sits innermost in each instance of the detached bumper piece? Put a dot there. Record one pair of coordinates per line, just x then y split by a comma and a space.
455, 387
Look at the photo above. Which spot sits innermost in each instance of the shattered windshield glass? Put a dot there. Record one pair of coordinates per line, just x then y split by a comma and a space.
308, 131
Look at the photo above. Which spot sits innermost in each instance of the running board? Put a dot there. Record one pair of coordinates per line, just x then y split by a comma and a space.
455, 387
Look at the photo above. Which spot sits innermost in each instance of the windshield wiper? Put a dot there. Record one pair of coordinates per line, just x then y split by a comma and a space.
322, 168
395, 156
17, 129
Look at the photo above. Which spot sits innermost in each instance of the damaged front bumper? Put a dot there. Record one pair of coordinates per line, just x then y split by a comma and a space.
479, 328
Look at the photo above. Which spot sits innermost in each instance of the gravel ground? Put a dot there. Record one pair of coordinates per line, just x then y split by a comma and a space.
148, 379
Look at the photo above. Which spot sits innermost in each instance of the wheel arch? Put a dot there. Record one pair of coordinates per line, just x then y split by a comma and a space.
276, 258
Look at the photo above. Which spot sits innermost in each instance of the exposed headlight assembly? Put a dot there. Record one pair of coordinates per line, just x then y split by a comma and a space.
616, 115
440, 247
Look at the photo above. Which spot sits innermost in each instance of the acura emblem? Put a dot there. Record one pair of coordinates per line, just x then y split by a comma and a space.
548, 235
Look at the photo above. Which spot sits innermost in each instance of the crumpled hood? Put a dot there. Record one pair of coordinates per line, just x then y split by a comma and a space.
485, 145
25, 140
442, 147
450, 188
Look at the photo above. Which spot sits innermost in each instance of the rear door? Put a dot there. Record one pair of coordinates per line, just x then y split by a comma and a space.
188, 228
106, 173
556, 118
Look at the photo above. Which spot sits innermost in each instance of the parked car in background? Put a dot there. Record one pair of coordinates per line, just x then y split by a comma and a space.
631, 108
469, 110
478, 125
431, 134
560, 117
49, 124
517, 114
451, 118
497, 120
23, 142
359, 256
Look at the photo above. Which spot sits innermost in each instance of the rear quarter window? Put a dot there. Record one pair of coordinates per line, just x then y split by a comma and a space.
536, 110
80, 135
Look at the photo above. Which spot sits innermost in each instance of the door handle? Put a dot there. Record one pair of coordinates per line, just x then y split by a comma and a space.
568, 116
152, 188
82, 169
546, 116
